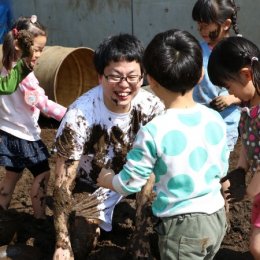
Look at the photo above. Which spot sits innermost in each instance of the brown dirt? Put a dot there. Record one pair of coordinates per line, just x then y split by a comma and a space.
33, 240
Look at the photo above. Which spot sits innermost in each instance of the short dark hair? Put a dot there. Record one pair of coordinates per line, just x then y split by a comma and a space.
229, 56
116, 48
174, 59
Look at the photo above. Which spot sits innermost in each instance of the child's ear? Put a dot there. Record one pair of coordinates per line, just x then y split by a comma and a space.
246, 74
16, 46
152, 82
227, 24
201, 76
100, 78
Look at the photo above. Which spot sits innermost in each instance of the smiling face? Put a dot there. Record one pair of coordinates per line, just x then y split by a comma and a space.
39, 43
118, 95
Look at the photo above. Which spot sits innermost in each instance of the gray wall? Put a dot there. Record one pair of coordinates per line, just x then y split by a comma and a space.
75, 23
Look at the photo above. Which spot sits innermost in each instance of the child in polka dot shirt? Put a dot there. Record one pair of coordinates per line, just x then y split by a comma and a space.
186, 149
239, 73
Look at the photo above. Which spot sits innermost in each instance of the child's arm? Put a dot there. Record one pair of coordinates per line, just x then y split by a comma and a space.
34, 95
253, 187
221, 102
137, 170
9, 83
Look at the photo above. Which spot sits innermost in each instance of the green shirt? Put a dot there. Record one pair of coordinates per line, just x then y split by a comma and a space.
9, 83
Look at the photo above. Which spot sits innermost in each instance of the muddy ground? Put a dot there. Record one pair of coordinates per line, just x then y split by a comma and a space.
32, 240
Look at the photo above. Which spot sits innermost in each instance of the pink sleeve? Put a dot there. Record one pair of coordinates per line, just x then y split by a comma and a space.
35, 96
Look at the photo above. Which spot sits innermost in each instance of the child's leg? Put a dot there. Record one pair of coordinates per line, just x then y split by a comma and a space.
255, 243
7, 187
38, 194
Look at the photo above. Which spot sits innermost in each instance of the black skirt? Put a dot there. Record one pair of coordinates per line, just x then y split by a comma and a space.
19, 153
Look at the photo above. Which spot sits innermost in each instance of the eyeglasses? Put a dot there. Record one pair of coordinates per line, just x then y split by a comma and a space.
131, 79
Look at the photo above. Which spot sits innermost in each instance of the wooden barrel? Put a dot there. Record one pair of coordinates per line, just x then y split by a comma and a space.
66, 73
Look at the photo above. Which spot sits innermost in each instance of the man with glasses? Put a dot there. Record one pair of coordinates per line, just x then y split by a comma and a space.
98, 131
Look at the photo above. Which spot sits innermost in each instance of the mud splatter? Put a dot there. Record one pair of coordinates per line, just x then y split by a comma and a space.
65, 142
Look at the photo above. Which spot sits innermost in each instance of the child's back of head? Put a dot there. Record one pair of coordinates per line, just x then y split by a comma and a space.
231, 55
174, 59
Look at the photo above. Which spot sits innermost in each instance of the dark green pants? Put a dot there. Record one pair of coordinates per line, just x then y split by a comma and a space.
192, 236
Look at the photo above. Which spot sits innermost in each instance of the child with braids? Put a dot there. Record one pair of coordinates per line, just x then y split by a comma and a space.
214, 19
20, 143
23, 67
234, 63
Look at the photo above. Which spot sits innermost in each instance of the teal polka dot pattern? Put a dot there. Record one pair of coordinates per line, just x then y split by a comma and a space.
190, 119
218, 135
151, 128
198, 158
161, 202
159, 169
178, 205
225, 154
212, 173
181, 185
131, 189
124, 176
178, 141
135, 154
142, 171
151, 148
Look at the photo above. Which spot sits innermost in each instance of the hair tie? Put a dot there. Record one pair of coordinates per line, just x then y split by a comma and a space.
33, 18
15, 32
239, 35
254, 58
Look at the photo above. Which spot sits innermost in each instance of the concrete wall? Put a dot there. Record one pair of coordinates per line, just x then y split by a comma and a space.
75, 23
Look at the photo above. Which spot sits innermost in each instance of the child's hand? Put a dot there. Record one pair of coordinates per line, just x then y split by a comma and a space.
237, 188
105, 178
220, 103
62, 254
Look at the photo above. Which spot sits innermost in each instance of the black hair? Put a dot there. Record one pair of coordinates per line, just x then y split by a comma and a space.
23, 23
117, 48
174, 59
229, 56
216, 11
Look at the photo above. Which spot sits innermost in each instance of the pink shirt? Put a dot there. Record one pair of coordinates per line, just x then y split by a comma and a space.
19, 112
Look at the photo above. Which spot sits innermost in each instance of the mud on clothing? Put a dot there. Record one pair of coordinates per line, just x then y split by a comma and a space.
100, 138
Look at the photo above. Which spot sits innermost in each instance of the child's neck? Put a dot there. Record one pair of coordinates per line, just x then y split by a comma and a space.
176, 100
255, 100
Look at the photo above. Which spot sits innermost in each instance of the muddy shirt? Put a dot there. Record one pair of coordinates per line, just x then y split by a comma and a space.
98, 137
249, 129
187, 151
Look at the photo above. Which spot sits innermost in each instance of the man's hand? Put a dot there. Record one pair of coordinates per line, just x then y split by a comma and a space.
105, 178
237, 188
